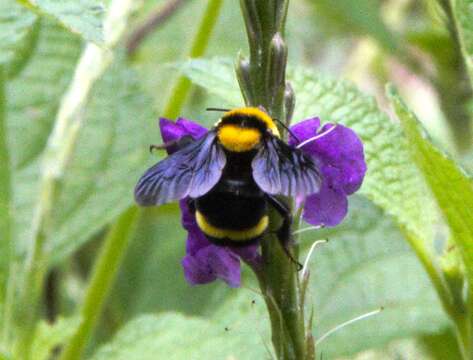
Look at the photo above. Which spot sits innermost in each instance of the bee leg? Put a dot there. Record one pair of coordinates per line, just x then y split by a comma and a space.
172, 145
284, 232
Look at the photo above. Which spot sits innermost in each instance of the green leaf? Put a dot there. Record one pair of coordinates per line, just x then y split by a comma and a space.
463, 13
15, 24
361, 17
154, 256
50, 336
176, 337
451, 186
33, 97
83, 17
364, 266
118, 128
392, 181
111, 150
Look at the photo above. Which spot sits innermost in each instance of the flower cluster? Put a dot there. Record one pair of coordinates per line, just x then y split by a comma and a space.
337, 151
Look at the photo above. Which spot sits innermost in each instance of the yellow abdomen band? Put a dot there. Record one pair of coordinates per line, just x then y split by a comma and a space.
235, 235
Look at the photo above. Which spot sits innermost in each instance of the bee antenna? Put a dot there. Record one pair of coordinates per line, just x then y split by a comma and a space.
287, 129
217, 109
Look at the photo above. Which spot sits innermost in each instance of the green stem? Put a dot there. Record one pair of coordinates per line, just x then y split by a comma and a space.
281, 289
262, 81
454, 87
463, 330
5, 211
101, 281
438, 281
452, 303
182, 87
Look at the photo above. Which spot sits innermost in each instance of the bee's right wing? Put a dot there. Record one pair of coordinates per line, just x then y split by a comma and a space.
280, 169
191, 171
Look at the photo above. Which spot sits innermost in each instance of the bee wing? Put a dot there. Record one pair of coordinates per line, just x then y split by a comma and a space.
280, 169
191, 171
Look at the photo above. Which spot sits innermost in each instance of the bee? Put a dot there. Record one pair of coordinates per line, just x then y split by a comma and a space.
231, 176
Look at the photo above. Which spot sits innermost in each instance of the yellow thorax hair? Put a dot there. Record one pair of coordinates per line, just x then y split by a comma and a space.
238, 139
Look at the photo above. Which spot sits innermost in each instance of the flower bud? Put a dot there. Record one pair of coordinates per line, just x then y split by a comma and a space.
289, 102
277, 68
243, 74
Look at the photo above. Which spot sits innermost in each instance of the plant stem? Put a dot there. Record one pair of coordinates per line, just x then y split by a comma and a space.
454, 87
101, 281
5, 213
463, 330
159, 16
262, 82
61, 143
282, 292
182, 86
438, 281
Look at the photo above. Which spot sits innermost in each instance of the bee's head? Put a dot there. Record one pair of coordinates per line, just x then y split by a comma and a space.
242, 129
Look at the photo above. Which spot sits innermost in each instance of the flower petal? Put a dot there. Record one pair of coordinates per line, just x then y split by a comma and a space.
206, 262
210, 263
327, 208
341, 149
249, 254
304, 130
196, 239
192, 128
171, 131
339, 152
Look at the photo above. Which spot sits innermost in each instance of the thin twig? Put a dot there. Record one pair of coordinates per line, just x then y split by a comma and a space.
157, 18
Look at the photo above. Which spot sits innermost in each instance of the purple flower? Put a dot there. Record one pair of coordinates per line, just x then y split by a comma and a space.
204, 262
339, 153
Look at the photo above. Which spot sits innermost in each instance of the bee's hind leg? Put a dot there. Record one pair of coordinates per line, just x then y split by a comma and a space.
191, 204
172, 145
284, 232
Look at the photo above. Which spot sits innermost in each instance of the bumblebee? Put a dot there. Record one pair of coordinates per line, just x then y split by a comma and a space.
231, 176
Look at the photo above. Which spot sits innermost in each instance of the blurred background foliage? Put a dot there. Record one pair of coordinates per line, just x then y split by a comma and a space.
151, 310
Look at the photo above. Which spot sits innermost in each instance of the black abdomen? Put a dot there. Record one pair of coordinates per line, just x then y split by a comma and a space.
235, 210
228, 210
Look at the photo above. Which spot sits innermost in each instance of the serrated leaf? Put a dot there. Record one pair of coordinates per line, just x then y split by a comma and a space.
173, 336
111, 150
463, 12
83, 17
50, 336
118, 127
392, 181
33, 97
451, 186
15, 24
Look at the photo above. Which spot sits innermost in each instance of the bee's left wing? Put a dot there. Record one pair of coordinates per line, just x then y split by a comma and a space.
280, 169
191, 171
